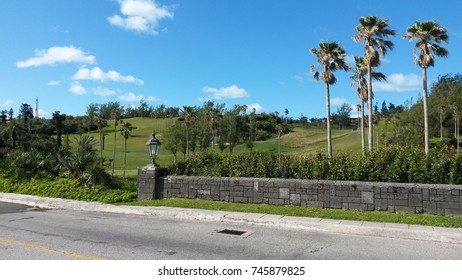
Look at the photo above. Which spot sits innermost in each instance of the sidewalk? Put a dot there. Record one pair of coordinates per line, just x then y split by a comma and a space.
387, 230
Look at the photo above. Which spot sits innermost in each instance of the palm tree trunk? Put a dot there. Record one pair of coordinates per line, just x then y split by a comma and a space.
425, 103
363, 136
329, 134
114, 150
369, 106
100, 147
125, 155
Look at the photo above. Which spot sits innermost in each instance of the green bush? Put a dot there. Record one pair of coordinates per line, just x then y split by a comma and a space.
397, 164
66, 188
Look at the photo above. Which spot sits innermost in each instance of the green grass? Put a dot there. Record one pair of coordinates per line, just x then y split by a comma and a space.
370, 216
303, 140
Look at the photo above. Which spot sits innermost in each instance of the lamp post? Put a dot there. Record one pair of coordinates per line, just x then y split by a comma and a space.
153, 145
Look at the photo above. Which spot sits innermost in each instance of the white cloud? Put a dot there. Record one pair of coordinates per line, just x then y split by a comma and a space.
53, 83
258, 108
337, 101
102, 91
131, 97
399, 83
140, 15
77, 88
231, 92
43, 114
6, 103
55, 55
97, 74
152, 98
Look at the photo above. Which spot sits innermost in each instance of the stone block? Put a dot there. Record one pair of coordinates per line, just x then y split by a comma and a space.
241, 199
352, 199
415, 200
314, 204
429, 207
453, 212
341, 193
284, 193
335, 202
257, 198
448, 205
357, 206
381, 204
405, 209
224, 196
270, 195
295, 199
276, 201
367, 197
397, 202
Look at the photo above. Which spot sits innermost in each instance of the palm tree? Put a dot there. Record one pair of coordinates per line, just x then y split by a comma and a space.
428, 35
187, 120
286, 113
99, 123
126, 130
11, 129
116, 117
371, 31
359, 71
330, 57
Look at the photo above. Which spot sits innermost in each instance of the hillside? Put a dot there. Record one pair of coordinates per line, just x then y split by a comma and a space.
302, 140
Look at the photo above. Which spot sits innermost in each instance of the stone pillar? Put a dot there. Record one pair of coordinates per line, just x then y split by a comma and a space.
149, 184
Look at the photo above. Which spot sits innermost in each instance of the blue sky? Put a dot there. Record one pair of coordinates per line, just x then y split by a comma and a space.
70, 53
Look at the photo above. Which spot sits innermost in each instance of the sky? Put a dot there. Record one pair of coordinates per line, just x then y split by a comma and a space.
71, 53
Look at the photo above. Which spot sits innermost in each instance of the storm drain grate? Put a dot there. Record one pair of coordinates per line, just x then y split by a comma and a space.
232, 232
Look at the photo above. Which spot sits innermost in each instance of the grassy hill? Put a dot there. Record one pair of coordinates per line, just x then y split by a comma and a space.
303, 140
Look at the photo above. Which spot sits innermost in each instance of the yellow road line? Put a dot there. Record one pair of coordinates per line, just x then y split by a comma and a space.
47, 249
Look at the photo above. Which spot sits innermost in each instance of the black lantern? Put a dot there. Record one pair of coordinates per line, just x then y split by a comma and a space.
153, 145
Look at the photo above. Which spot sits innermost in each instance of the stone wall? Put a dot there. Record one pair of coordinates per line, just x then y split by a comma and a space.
392, 197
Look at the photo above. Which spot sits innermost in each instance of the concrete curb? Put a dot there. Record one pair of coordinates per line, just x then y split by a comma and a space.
386, 230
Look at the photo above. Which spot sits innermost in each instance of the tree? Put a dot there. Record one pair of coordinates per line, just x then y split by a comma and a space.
286, 114
187, 118
428, 35
58, 120
115, 114
174, 140
343, 115
371, 31
10, 114
359, 71
126, 131
330, 57
26, 113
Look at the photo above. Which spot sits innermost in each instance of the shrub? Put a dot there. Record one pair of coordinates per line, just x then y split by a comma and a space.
66, 188
397, 164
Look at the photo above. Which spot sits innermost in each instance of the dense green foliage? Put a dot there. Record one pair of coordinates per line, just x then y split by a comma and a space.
399, 165
121, 191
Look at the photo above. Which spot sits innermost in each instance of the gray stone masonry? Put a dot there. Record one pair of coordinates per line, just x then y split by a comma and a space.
366, 196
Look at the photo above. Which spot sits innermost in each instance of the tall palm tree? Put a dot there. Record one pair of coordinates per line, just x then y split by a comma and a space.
371, 31
330, 57
126, 130
187, 117
99, 124
428, 35
359, 71
116, 117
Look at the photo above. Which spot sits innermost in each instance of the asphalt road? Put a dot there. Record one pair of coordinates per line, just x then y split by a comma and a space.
28, 233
